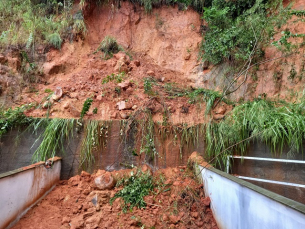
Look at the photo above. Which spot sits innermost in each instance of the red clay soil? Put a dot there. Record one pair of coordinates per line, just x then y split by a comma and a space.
70, 205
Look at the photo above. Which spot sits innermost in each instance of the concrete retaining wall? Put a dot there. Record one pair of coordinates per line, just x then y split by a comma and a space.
21, 188
239, 204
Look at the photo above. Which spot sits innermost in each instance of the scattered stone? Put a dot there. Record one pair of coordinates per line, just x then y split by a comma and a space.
85, 174
124, 85
122, 105
206, 201
187, 56
73, 181
65, 220
121, 65
174, 219
77, 222
104, 181
57, 94
162, 79
97, 198
93, 221
74, 111
221, 110
150, 73
124, 115
134, 107
99, 98
137, 63
218, 117
195, 214
113, 115
66, 105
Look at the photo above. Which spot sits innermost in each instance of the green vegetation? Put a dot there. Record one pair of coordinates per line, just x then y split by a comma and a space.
91, 142
238, 30
11, 118
275, 123
136, 187
109, 46
118, 78
56, 132
27, 23
86, 107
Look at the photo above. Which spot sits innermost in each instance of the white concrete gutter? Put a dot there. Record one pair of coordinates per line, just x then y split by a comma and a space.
22, 188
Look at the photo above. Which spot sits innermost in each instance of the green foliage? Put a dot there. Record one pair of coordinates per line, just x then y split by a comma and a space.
14, 117
94, 110
238, 30
136, 187
148, 84
86, 107
283, 41
48, 90
91, 142
275, 123
55, 40
205, 95
118, 78
56, 132
109, 46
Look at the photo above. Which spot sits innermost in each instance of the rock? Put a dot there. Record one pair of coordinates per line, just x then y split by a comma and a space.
93, 221
137, 63
150, 73
187, 56
220, 110
66, 105
65, 220
195, 214
162, 79
52, 68
146, 169
173, 219
124, 85
113, 115
3, 60
206, 201
77, 222
85, 174
14, 63
121, 65
124, 115
104, 181
134, 107
121, 56
98, 198
165, 218
73, 181
99, 98
122, 105
74, 111
218, 117
57, 94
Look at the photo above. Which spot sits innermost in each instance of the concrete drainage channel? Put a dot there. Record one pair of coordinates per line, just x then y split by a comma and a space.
239, 204
22, 188
235, 203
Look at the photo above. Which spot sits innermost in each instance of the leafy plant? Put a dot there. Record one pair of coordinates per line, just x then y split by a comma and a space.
136, 187
94, 110
276, 123
148, 84
55, 40
14, 117
86, 107
109, 46
118, 78
56, 132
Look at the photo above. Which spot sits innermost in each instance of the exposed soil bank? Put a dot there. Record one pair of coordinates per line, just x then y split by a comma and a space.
70, 205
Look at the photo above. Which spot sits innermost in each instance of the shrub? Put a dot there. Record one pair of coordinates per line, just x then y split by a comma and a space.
55, 40
109, 46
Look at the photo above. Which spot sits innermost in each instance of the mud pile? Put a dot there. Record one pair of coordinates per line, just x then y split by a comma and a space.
78, 203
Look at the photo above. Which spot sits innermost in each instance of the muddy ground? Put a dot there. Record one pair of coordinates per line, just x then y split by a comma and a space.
78, 203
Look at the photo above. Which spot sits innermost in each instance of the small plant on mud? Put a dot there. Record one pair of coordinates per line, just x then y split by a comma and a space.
108, 46
86, 108
135, 188
94, 110
148, 84
118, 78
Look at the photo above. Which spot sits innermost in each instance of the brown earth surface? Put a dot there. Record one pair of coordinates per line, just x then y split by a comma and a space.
78, 203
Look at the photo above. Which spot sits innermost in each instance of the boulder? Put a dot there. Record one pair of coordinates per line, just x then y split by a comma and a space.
104, 181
